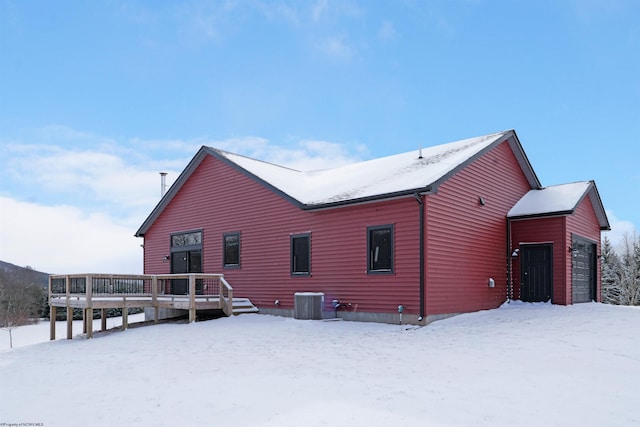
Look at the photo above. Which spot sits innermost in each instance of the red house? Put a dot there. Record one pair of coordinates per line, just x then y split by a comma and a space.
449, 229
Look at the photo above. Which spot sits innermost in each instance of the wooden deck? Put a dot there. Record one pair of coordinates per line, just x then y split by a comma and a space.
102, 291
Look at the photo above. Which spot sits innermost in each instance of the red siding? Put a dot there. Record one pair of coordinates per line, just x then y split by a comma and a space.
219, 199
585, 224
543, 230
466, 242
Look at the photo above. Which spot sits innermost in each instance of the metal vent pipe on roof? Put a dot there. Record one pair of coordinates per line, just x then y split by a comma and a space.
163, 183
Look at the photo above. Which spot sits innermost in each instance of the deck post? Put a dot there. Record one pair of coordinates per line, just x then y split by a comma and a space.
67, 281
84, 320
221, 293
103, 319
192, 298
69, 322
52, 314
89, 322
154, 298
125, 315
52, 322
89, 306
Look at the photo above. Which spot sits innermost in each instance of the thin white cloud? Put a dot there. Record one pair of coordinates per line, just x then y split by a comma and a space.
305, 155
209, 20
326, 26
314, 155
60, 133
619, 228
135, 12
281, 11
303, 15
86, 176
65, 239
252, 146
187, 147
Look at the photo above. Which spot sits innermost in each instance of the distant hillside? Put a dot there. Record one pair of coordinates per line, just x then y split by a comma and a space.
41, 278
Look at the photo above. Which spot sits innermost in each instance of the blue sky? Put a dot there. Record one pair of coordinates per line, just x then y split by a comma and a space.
97, 97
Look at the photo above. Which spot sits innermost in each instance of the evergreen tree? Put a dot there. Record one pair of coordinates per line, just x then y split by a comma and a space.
611, 272
630, 276
621, 272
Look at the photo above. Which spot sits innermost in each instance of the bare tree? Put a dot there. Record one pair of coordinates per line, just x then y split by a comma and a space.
20, 300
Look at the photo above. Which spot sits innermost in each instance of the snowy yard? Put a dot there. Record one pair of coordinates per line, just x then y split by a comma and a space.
522, 364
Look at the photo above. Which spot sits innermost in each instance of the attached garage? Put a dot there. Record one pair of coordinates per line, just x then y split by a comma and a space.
555, 242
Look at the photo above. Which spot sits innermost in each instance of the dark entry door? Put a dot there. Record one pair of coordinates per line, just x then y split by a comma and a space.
583, 271
536, 276
184, 262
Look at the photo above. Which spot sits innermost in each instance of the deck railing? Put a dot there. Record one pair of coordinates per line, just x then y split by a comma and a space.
226, 297
101, 284
194, 291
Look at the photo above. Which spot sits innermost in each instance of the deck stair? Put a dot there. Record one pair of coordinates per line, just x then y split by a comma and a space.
243, 305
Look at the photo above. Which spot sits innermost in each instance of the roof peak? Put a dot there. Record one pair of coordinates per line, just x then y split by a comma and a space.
393, 174
226, 153
423, 152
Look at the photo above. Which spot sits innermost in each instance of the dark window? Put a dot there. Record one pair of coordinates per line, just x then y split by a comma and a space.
231, 250
300, 254
380, 243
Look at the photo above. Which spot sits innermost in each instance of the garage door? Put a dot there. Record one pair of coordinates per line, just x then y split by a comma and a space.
584, 273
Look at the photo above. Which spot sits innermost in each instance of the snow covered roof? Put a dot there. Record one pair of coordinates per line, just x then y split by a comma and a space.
378, 178
560, 199
418, 171
554, 199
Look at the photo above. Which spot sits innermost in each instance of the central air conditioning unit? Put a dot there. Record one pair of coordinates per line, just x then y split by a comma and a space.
308, 305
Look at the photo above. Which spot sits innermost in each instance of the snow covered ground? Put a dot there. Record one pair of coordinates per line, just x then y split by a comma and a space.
38, 333
522, 364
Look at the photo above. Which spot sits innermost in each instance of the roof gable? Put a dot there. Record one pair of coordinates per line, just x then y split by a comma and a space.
560, 199
406, 173
383, 178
